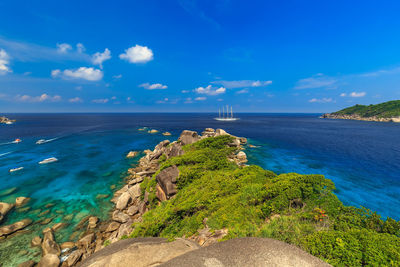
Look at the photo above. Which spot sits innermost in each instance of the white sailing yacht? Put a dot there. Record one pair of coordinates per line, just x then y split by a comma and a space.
226, 116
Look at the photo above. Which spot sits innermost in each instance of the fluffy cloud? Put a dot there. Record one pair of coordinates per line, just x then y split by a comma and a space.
80, 48
75, 100
117, 77
100, 101
41, 98
354, 94
358, 94
89, 74
63, 48
322, 100
4, 62
153, 86
98, 58
243, 83
137, 54
200, 98
209, 90
317, 81
188, 100
243, 91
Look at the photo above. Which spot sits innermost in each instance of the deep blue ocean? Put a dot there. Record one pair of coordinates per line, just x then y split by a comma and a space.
361, 158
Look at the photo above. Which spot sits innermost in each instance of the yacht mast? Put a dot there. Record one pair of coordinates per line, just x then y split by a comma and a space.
231, 112
222, 111
227, 111
219, 113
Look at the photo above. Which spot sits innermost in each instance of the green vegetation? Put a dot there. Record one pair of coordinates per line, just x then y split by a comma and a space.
384, 110
251, 201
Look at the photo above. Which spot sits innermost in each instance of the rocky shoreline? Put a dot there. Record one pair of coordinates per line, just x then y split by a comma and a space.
6, 120
130, 205
359, 118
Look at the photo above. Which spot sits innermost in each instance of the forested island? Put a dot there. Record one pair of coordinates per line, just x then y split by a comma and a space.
386, 112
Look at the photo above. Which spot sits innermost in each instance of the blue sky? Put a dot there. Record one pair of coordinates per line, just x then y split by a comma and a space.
192, 55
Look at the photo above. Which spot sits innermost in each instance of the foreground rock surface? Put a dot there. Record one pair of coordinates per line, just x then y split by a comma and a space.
139, 252
249, 251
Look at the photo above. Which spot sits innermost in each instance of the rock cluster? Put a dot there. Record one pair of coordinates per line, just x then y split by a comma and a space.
358, 118
130, 204
6, 120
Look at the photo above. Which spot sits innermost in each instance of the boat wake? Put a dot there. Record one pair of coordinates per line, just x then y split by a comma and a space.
3, 154
43, 141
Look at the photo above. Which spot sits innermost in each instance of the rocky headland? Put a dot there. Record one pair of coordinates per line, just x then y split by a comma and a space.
358, 117
383, 112
190, 202
6, 120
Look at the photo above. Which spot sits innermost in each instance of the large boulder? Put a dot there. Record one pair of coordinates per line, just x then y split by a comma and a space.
188, 137
132, 154
49, 260
139, 252
4, 209
119, 216
175, 149
123, 200
9, 229
49, 245
248, 251
167, 180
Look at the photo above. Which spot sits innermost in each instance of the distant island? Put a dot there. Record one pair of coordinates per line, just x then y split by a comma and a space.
386, 112
6, 120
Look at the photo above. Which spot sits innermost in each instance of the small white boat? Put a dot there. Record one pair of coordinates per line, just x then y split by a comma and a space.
9, 122
41, 141
16, 169
49, 160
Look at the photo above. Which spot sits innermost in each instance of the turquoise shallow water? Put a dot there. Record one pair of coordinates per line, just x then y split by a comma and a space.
362, 158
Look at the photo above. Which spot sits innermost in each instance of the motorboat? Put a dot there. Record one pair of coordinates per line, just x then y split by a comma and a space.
41, 141
48, 160
16, 169
16, 141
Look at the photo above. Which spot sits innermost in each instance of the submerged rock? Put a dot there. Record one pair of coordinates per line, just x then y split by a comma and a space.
93, 222
132, 154
152, 131
4, 209
8, 191
36, 241
9, 229
166, 134
19, 201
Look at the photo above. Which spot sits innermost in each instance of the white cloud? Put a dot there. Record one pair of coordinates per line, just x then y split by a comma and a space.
63, 48
243, 83
4, 62
188, 100
113, 98
357, 94
343, 94
100, 101
117, 77
89, 74
209, 90
243, 91
98, 58
41, 98
322, 100
185, 91
165, 100
137, 54
200, 98
317, 81
75, 100
153, 86
80, 48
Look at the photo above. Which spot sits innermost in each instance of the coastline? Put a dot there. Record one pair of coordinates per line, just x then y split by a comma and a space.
137, 197
6, 120
358, 118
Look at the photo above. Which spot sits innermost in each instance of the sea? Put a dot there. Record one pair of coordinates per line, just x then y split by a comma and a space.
361, 158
